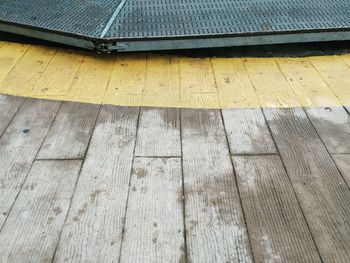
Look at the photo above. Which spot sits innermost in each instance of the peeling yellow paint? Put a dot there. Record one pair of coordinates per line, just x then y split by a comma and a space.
173, 81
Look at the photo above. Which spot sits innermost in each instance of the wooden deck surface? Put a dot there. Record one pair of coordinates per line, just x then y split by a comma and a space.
173, 81
89, 183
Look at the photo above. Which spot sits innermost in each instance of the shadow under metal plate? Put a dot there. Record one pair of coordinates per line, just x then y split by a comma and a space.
139, 25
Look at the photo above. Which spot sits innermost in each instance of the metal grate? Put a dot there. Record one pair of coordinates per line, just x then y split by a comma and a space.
78, 17
193, 18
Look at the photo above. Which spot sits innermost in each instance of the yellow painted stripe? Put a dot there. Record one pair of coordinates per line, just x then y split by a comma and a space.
59, 75
10, 54
25, 74
307, 84
336, 73
270, 85
173, 81
92, 78
162, 82
234, 86
127, 81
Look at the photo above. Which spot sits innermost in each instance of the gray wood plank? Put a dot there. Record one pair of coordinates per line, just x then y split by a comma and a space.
33, 227
154, 220
159, 133
347, 108
333, 126
19, 145
9, 105
343, 163
94, 225
70, 134
277, 229
321, 191
247, 132
215, 227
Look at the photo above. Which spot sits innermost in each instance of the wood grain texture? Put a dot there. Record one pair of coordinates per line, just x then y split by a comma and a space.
335, 73
214, 220
321, 191
94, 226
19, 146
343, 163
70, 134
247, 132
10, 54
306, 82
23, 77
159, 133
59, 74
197, 83
333, 126
277, 229
33, 227
234, 86
154, 220
162, 82
269, 83
9, 105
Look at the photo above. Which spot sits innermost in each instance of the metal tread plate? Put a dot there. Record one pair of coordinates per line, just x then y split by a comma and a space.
195, 18
85, 18
110, 22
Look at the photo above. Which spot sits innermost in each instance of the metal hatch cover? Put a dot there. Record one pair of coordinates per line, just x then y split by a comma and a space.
138, 25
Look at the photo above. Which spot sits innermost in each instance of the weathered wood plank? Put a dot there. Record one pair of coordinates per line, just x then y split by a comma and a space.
19, 146
215, 226
321, 191
347, 108
277, 229
59, 74
197, 83
10, 54
159, 132
154, 220
269, 83
306, 82
233, 83
94, 225
32, 229
247, 131
9, 105
162, 81
23, 77
70, 134
333, 126
343, 163
335, 73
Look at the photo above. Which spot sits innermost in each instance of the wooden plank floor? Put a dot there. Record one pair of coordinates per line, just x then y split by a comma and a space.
89, 183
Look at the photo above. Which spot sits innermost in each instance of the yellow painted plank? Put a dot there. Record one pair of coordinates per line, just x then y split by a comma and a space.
233, 83
162, 84
172, 81
23, 77
91, 80
336, 73
269, 84
10, 54
197, 83
59, 75
127, 80
200, 101
307, 84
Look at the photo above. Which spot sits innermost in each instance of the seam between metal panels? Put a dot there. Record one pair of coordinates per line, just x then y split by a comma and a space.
113, 17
